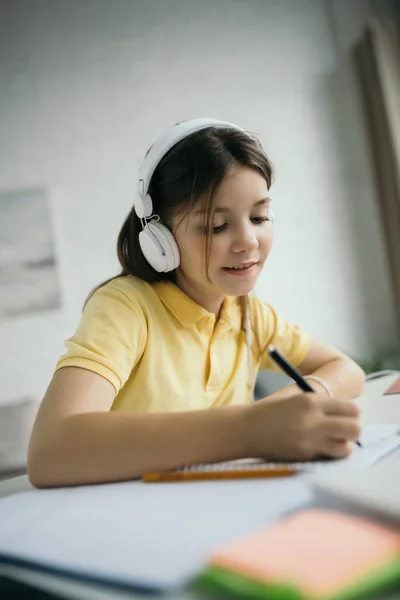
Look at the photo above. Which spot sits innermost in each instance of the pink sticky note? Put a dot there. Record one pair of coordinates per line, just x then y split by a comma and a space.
394, 388
321, 552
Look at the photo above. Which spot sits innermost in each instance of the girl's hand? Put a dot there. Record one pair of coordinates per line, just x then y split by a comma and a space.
302, 427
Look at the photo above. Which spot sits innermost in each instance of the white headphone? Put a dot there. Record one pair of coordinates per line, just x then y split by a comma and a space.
156, 240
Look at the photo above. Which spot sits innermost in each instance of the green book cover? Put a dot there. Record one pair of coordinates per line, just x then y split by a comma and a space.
235, 585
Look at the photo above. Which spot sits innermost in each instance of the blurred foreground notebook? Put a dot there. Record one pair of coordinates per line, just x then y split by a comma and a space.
313, 555
375, 491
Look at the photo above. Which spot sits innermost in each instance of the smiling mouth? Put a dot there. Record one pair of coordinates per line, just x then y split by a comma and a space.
243, 267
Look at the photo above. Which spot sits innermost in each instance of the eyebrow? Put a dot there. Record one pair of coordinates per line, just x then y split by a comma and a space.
223, 209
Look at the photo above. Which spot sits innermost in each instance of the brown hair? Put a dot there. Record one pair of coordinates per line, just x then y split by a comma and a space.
188, 174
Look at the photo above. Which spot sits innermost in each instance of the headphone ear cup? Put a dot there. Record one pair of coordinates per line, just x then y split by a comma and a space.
169, 244
159, 247
173, 253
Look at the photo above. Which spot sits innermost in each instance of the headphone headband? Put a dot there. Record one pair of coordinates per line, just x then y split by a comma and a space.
166, 141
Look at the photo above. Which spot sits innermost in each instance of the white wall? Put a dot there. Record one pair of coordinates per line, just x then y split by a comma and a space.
86, 86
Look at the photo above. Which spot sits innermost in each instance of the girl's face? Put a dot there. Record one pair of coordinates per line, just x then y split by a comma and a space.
241, 241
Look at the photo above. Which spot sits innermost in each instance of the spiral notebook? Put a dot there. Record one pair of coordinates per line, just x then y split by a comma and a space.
376, 442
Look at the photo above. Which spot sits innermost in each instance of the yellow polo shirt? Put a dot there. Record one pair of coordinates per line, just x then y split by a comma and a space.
163, 352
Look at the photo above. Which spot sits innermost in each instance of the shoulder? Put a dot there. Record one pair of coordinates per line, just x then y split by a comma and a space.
128, 296
269, 323
129, 286
272, 328
128, 291
112, 332
262, 312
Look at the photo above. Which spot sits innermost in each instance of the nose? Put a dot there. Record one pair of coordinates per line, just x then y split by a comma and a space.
245, 239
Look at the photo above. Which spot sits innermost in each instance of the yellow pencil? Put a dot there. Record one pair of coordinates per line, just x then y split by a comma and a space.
170, 476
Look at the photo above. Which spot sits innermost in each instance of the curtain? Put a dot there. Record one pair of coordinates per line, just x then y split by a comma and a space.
377, 62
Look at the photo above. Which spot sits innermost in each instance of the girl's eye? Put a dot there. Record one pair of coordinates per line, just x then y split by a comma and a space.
258, 220
219, 228
255, 220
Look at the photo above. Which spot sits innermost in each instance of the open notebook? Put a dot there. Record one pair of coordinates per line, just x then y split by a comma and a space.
152, 537
374, 440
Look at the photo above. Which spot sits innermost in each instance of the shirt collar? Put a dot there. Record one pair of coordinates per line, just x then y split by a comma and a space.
188, 312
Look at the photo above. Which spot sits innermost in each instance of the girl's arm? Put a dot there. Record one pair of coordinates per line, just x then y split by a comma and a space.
345, 377
76, 439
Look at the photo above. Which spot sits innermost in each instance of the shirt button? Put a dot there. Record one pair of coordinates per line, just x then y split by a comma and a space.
213, 382
212, 387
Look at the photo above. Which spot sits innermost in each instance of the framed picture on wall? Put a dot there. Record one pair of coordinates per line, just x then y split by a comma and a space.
28, 267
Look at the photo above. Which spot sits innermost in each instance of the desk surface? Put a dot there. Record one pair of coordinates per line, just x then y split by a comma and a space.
375, 408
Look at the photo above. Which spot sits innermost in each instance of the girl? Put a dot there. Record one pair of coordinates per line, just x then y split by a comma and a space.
160, 371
